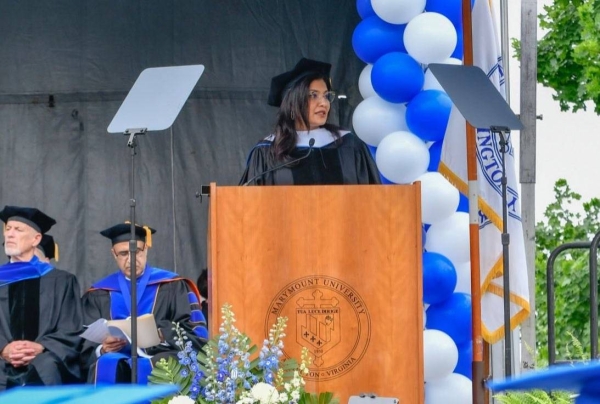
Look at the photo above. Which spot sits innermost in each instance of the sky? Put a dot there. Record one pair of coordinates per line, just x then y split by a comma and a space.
568, 144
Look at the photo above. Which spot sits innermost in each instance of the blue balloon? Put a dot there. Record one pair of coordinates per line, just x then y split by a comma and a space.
373, 38
372, 150
435, 154
451, 9
465, 359
384, 180
427, 114
365, 9
458, 51
463, 204
424, 235
452, 316
439, 278
397, 77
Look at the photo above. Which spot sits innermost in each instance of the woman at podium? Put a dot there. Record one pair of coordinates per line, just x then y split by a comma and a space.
304, 149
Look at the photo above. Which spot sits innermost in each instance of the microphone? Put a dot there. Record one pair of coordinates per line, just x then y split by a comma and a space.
311, 143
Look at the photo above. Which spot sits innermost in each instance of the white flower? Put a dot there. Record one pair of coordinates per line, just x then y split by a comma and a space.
264, 393
246, 400
181, 400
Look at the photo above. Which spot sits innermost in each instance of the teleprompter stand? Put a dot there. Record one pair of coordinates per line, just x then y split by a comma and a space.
483, 107
152, 104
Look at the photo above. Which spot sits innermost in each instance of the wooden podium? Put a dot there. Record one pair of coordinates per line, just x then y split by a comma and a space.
343, 263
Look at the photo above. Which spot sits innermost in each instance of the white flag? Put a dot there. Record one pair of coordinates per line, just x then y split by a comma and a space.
487, 56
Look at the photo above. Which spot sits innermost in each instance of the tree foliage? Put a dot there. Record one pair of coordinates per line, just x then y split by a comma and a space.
563, 224
568, 60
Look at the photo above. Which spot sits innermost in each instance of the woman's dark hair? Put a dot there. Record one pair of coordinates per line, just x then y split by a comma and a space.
202, 283
294, 106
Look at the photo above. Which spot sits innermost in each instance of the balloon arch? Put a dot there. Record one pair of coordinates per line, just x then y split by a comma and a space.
403, 119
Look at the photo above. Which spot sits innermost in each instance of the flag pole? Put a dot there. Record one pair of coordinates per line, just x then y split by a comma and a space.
477, 364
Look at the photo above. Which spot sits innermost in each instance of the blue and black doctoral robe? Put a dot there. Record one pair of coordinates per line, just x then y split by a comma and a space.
344, 161
165, 294
40, 303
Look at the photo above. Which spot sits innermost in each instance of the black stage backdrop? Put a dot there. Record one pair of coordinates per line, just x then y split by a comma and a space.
65, 68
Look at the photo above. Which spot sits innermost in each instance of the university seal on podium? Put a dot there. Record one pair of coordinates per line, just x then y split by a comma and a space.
329, 318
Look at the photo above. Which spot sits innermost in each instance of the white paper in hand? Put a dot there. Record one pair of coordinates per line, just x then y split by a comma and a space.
100, 329
97, 331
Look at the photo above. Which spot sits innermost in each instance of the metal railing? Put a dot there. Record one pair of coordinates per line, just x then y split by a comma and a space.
593, 268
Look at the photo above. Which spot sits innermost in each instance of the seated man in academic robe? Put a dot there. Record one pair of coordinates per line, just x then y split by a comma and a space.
169, 297
40, 308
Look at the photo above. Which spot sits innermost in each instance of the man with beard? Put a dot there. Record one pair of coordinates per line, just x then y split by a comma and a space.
40, 309
166, 295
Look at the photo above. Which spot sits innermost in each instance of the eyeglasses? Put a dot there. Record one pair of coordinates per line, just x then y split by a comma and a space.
125, 254
328, 96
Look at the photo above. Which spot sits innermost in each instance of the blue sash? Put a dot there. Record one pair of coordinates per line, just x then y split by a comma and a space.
106, 368
120, 308
120, 291
12, 272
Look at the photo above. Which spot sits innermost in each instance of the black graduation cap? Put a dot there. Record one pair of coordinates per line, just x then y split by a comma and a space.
48, 247
30, 216
122, 232
281, 83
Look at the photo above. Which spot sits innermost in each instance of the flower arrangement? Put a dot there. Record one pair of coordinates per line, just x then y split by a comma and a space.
225, 372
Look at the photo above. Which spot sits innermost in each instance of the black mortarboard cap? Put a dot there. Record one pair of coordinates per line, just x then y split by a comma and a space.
280, 83
122, 232
48, 247
30, 216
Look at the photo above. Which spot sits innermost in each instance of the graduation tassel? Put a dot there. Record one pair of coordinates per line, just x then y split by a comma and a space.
148, 233
148, 236
56, 252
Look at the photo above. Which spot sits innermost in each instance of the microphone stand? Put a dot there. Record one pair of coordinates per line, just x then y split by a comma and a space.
502, 131
311, 143
132, 144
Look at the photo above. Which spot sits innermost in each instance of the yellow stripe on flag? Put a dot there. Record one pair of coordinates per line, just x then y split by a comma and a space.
453, 165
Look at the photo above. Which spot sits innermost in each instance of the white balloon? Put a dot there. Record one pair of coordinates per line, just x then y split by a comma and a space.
398, 11
402, 157
452, 389
431, 82
375, 118
440, 355
463, 277
364, 82
450, 237
439, 198
430, 38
